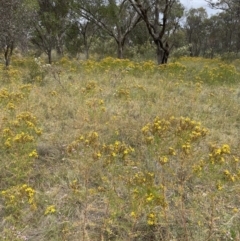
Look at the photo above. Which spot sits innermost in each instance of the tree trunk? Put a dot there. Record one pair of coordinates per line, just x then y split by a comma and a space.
49, 53
159, 55
59, 51
212, 53
120, 49
86, 52
86, 47
8, 53
238, 43
191, 49
59, 46
162, 52
165, 54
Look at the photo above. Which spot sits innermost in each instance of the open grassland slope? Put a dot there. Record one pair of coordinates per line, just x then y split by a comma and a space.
117, 150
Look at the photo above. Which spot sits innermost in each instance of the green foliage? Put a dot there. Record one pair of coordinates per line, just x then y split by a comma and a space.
73, 41
229, 57
37, 72
30, 5
220, 74
181, 52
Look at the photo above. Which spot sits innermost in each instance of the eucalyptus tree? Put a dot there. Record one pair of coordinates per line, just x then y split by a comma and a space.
213, 36
81, 32
14, 22
162, 19
50, 25
231, 16
227, 5
229, 28
195, 30
79, 37
115, 17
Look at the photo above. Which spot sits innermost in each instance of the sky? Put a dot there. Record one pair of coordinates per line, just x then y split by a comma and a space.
197, 4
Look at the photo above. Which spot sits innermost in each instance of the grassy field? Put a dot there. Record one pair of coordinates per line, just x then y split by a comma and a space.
118, 150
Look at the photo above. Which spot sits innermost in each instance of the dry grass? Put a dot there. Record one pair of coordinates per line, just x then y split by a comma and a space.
127, 151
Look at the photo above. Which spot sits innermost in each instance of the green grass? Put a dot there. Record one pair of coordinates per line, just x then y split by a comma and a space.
117, 150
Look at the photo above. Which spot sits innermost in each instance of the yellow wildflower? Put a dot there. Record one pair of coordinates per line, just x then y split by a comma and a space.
225, 149
163, 160
50, 209
171, 151
33, 154
8, 143
133, 214
150, 197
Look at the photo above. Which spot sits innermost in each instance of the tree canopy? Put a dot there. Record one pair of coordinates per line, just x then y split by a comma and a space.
117, 26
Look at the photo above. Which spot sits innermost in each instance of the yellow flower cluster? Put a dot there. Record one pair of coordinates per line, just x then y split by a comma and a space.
197, 168
96, 103
109, 153
146, 191
118, 150
127, 66
175, 67
141, 178
186, 148
10, 99
158, 127
149, 65
91, 85
133, 214
90, 140
195, 127
24, 121
151, 219
171, 151
16, 196
230, 176
11, 106
185, 128
217, 154
26, 116
50, 210
222, 162
221, 73
163, 160
64, 61
34, 154
123, 92
23, 138
12, 74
